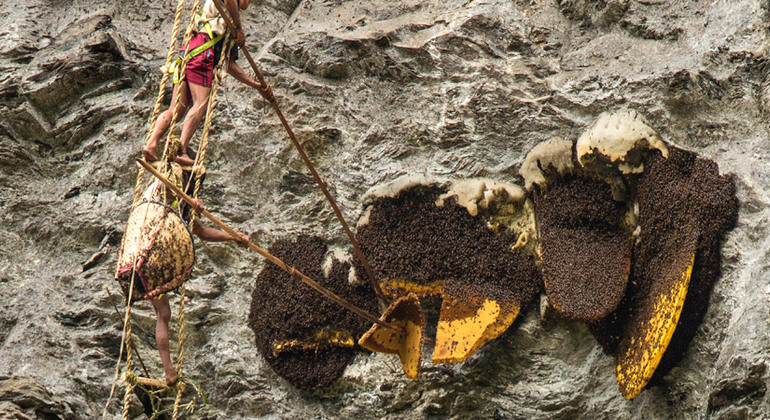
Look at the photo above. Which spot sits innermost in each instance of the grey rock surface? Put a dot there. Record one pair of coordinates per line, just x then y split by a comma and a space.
23, 398
374, 90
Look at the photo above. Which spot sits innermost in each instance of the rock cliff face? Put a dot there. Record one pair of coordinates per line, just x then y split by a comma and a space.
374, 90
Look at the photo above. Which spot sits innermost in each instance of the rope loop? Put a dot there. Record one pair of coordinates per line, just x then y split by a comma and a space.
294, 273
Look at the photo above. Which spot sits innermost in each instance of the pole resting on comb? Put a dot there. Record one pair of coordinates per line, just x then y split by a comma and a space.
406, 340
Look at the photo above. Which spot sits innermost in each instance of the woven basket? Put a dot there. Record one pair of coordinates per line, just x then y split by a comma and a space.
157, 251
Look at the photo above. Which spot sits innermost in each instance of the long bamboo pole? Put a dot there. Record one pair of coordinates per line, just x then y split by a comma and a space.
372, 279
270, 257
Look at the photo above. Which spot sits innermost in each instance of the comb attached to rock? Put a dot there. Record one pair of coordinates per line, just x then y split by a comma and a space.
406, 340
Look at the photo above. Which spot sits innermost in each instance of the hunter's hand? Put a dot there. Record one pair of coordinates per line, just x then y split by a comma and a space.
265, 90
243, 242
240, 38
199, 208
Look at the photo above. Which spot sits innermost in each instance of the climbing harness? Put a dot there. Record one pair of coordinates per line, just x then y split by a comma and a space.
176, 66
175, 69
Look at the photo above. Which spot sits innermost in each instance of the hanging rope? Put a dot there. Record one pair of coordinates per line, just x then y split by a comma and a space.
130, 381
201, 155
180, 358
164, 79
199, 158
125, 341
183, 72
129, 385
122, 346
127, 331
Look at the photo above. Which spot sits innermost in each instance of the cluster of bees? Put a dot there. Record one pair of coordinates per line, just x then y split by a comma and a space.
617, 228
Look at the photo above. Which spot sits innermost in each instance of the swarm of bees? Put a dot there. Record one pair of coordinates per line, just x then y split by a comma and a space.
620, 230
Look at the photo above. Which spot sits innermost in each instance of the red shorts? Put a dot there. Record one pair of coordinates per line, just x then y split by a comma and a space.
200, 70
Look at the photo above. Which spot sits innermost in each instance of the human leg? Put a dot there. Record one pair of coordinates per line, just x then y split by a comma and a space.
200, 101
163, 312
164, 120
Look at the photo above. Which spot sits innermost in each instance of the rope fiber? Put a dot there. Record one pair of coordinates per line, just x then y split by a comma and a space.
126, 343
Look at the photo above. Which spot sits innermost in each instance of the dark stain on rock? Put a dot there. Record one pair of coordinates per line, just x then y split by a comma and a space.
748, 389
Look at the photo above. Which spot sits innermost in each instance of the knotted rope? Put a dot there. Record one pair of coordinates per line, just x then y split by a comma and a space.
127, 330
180, 358
164, 79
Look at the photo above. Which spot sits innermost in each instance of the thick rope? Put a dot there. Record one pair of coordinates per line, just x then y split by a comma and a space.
161, 93
200, 156
180, 358
137, 192
126, 338
169, 59
182, 73
126, 329
129, 385
161, 87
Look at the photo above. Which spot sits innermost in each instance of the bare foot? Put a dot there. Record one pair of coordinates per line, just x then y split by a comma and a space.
184, 160
149, 154
171, 378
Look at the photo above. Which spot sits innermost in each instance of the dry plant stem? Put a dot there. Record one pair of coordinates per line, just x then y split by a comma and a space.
270, 257
319, 181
